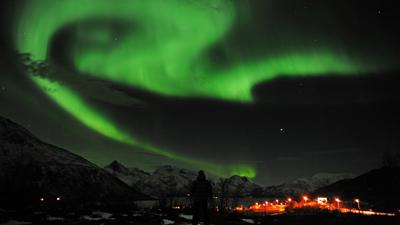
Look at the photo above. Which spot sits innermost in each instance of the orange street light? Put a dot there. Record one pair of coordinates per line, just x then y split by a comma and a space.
338, 202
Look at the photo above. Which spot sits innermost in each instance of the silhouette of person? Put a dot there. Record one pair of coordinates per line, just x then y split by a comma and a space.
201, 192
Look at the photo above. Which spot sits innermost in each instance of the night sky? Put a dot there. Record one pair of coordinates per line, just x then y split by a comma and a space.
274, 89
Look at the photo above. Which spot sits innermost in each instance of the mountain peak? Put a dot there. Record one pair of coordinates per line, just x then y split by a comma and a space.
117, 167
238, 179
168, 169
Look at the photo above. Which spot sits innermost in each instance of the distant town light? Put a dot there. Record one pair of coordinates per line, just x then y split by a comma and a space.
42, 199
58, 198
322, 200
289, 199
330, 205
338, 202
358, 203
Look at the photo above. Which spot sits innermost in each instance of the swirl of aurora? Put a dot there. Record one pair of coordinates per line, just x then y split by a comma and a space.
162, 50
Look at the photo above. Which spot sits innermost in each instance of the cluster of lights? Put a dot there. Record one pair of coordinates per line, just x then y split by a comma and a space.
321, 202
276, 206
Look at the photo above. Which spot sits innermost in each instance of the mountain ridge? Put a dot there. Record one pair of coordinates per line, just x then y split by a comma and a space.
168, 180
33, 172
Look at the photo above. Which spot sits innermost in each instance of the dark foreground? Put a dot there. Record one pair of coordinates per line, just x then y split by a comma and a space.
175, 217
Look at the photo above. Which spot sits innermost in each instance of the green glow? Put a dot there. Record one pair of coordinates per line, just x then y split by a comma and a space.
164, 53
73, 104
76, 106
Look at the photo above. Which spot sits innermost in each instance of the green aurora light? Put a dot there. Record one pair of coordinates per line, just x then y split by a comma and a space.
165, 53
76, 106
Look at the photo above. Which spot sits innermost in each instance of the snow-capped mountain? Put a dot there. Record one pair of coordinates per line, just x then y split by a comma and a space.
164, 181
306, 185
238, 186
130, 176
172, 181
168, 180
323, 179
31, 169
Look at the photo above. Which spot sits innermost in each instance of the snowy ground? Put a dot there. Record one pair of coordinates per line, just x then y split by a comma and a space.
184, 218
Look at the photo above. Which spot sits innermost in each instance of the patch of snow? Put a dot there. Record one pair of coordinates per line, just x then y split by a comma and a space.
98, 215
90, 218
53, 218
185, 216
166, 221
103, 215
248, 221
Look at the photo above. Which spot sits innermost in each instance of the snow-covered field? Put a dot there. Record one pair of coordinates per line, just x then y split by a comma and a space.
184, 218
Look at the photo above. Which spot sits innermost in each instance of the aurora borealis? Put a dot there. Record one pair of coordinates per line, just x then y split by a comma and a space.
214, 52
166, 51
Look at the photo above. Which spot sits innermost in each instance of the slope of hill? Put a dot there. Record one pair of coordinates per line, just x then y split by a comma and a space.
379, 187
31, 170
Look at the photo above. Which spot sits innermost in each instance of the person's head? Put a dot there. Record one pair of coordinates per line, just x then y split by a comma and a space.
201, 175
